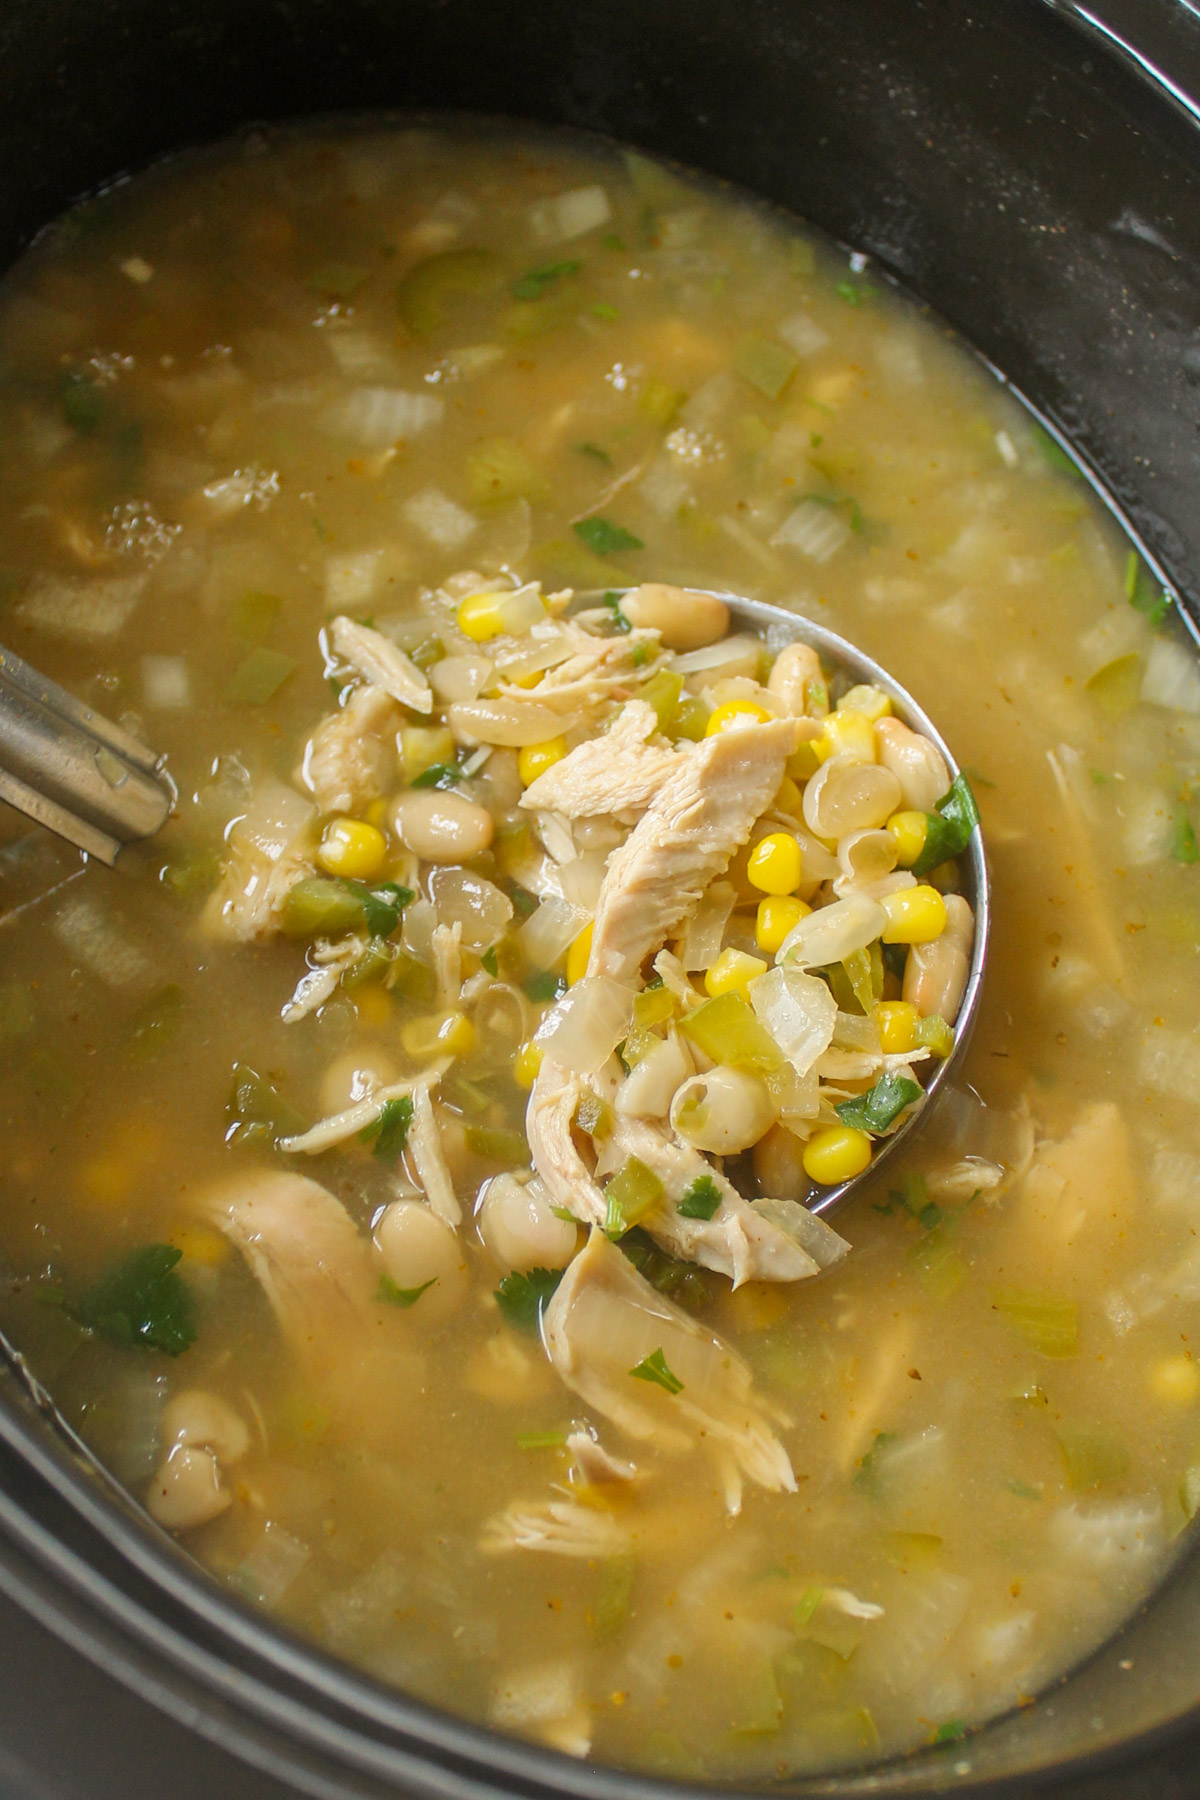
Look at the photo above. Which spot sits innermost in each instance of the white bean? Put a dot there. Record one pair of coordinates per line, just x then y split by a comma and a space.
203, 1420
722, 1112
649, 1088
796, 675
417, 1247
442, 828
685, 619
935, 975
520, 1228
186, 1490
779, 1165
352, 1076
848, 795
917, 764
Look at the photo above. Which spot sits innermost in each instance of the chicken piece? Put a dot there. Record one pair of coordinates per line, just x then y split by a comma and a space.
330, 962
381, 663
745, 1240
621, 771
246, 903
605, 1321
592, 669
596, 1466
305, 1252
346, 761
429, 1159
698, 818
1079, 1189
561, 1527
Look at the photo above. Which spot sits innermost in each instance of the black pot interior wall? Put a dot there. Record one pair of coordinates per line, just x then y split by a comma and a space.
995, 159
1008, 170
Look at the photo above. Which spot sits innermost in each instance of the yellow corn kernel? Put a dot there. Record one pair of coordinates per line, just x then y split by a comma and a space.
908, 829
438, 1034
373, 1004
731, 972
733, 714
916, 915
106, 1179
200, 1245
1175, 1381
577, 955
480, 616
871, 702
789, 798
778, 916
534, 759
352, 849
846, 733
897, 1022
773, 865
836, 1153
421, 746
528, 1062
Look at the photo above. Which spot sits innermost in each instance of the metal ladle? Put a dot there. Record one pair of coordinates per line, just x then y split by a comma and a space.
76, 772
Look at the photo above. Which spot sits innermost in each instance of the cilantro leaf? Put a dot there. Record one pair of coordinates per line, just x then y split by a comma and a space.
545, 985
1184, 847
596, 451
654, 1368
536, 281
523, 1297
700, 1199
1143, 593
438, 775
142, 1301
488, 961
398, 1296
948, 830
620, 623
390, 1130
382, 904
604, 538
879, 1106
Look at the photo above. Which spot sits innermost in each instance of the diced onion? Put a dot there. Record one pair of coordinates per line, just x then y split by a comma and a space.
742, 650
582, 878
814, 530
811, 1233
1172, 676
798, 1010
832, 932
463, 898
420, 922
440, 519
705, 934
165, 682
801, 333
377, 417
511, 722
588, 1023
273, 1564
570, 215
852, 1032
274, 819
549, 932
459, 678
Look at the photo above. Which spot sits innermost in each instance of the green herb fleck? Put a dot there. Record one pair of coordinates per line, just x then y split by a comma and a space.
389, 1132
1143, 593
256, 1112
604, 538
142, 1301
1053, 452
877, 1109
545, 986
604, 309
949, 1732
596, 451
612, 600
869, 1479
1184, 847
536, 281
948, 829
1023, 1490
654, 1368
542, 1440
398, 1296
523, 1297
855, 293
700, 1199
489, 962
439, 775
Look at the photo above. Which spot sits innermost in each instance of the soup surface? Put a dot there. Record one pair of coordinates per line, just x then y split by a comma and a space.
310, 418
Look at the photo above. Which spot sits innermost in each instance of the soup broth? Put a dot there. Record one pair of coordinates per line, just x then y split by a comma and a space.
392, 378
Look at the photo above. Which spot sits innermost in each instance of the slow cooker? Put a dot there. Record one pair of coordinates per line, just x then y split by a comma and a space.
1031, 170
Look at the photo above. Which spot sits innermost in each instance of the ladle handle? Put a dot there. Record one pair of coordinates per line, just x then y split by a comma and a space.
73, 770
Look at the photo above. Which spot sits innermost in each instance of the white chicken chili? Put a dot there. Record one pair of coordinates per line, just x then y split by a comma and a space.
412, 1155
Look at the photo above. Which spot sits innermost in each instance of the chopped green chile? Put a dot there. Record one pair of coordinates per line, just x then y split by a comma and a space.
766, 365
633, 1193
653, 1006
328, 906
595, 1116
496, 1144
432, 288
260, 677
726, 1029
256, 1112
933, 1034
1094, 1455
1048, 1323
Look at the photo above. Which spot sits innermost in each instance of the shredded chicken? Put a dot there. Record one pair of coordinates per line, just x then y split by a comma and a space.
561, 1527
592, 669
447, 962
594, 1464
693, 826
338, 1127
247, 901
331, 960
305, 1252
382, 664
619, 772
346, 760
429, 1159
605, 1321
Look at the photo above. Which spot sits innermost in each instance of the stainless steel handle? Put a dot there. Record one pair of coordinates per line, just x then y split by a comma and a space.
73, 770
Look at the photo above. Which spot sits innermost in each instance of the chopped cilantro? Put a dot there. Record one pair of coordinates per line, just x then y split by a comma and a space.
701, 1199
855, 293
949, 1732
948, 829
524, 903
596, 452
654, 1368
1184, 847
612, 600
1053, 452
869, 1478
604, 309
1023, 1490
523, 1297
876, 1109
389, 1132
142, 1301
488, 961
439, 775
536, 281
398, 1296
604, 538
1143, 593
256, 1112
